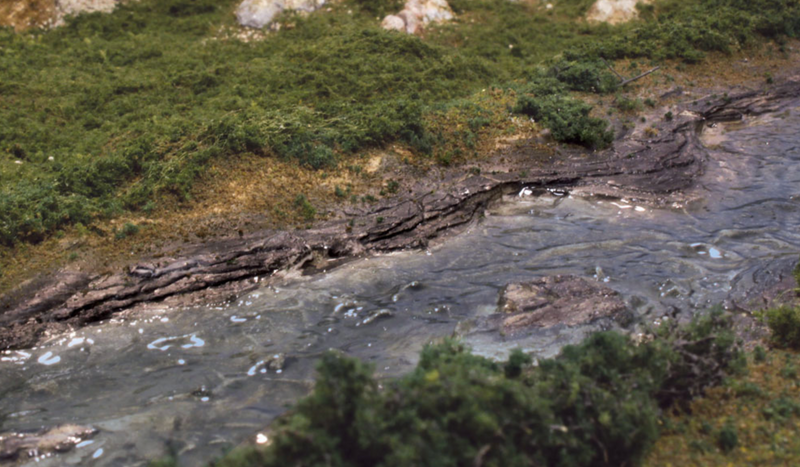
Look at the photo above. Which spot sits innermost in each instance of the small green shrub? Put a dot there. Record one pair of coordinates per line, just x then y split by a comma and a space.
784, 322
796, 273
789, 371
626, 104
747, 390
727, 438
128, 230
379, 8
307, 210
781, 409
586, 76
567, 118
759, 354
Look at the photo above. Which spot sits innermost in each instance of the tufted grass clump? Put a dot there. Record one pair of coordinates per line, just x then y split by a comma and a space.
597, 403
304, 207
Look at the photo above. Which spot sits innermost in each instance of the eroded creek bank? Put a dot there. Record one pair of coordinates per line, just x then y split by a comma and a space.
671, 225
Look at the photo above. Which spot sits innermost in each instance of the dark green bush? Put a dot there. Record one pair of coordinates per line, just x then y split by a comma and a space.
586, 75
727, 438
626, 104
781, 409
379, 8
703, 353
784, 322
598, 403
759, 354
567, 118
127, 230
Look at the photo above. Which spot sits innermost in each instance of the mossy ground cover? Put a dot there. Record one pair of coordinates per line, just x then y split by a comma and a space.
130, 114
751, 421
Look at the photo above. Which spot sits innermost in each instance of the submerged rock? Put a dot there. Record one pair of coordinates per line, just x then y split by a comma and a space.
277, 362
614, 11
375, 315
417, 14
260, 13
58, 439
561, 299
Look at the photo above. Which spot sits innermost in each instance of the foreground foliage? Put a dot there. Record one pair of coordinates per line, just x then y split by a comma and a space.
598, 403
751, 421
114, 111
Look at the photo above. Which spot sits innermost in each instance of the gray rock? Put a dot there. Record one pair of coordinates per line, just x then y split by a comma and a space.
260, 13
417, 14
66, 8
58, 439
614, 11
382, 313
552, 300
277, 362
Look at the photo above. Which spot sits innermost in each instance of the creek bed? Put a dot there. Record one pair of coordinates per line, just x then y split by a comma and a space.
209, 377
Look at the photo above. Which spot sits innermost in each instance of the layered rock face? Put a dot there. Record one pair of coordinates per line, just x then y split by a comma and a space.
417, 14
260, 13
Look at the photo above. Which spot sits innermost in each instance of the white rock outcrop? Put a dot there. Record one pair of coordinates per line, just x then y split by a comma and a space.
260, 13
66, 8
417, 14
74, 7
614, 11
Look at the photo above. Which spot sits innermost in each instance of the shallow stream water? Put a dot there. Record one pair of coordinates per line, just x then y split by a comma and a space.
200, 378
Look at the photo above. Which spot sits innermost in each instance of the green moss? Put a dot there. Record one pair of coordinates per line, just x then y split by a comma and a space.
111, 111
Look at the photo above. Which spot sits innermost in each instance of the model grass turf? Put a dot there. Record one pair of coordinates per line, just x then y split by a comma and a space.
115, 111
